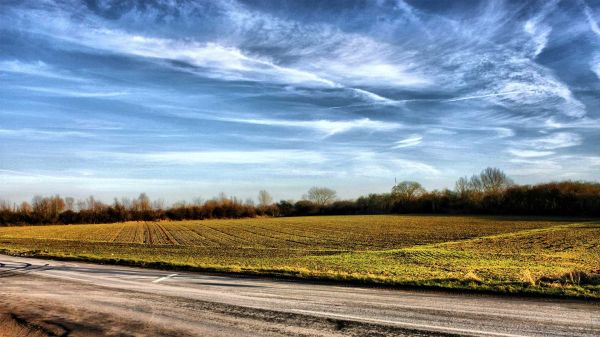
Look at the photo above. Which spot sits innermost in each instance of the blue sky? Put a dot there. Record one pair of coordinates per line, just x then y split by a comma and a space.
182, 99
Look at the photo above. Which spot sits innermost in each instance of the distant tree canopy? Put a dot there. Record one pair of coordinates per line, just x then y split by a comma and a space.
321, 196
490, 192
407, 190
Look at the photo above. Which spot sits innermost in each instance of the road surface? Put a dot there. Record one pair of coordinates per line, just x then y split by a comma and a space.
52, 298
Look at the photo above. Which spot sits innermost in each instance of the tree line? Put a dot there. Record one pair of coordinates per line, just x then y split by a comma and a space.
490, 192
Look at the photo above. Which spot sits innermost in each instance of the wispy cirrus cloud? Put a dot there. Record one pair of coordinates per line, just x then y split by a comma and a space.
234, 157
75, 92
325, 127
529, 153
589, 15
538, 30
413, 140
404, 166
557, 167
38, 69
553, 141
42, 134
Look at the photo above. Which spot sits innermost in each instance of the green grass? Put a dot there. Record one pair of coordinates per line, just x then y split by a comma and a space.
496, 254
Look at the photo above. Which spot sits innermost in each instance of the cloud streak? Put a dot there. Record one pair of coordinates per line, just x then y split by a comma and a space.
325, 127
215, 157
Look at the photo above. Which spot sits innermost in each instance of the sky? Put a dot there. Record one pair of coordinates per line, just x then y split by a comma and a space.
186, 99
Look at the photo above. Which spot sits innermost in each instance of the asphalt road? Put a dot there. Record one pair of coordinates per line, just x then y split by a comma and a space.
51, 298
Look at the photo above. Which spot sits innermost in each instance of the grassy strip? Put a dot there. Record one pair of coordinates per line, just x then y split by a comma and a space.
446, 285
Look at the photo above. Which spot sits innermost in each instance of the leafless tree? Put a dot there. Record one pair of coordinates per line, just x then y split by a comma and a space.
493, 180
321, 195
92, 204
143, 202
264, 198
5, 205
81, 205
158, 204
462, 186
475, 184
126, 202
69, 204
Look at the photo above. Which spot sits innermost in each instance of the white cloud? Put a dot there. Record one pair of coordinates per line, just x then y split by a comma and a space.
581, 123
215, 60
363, 72
440, 131
552, 141
596, 68
407, 142
497, 131
556, 168
41, 134
410, 167
382, 165
534, 89
529, 153
351, 59
508, 93
537, 29
83, 92
326, 127
277, 157
539, 34
590, 19
38, 68
373, 97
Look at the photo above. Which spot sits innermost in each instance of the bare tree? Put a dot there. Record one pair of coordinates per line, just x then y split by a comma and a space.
127, 203
47, 209
69, 204
462, 186
158, 204
321, 195
143, 202
5, 205
475, 184
81, 205
264, 198
493, 180
91, 204
407, 190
